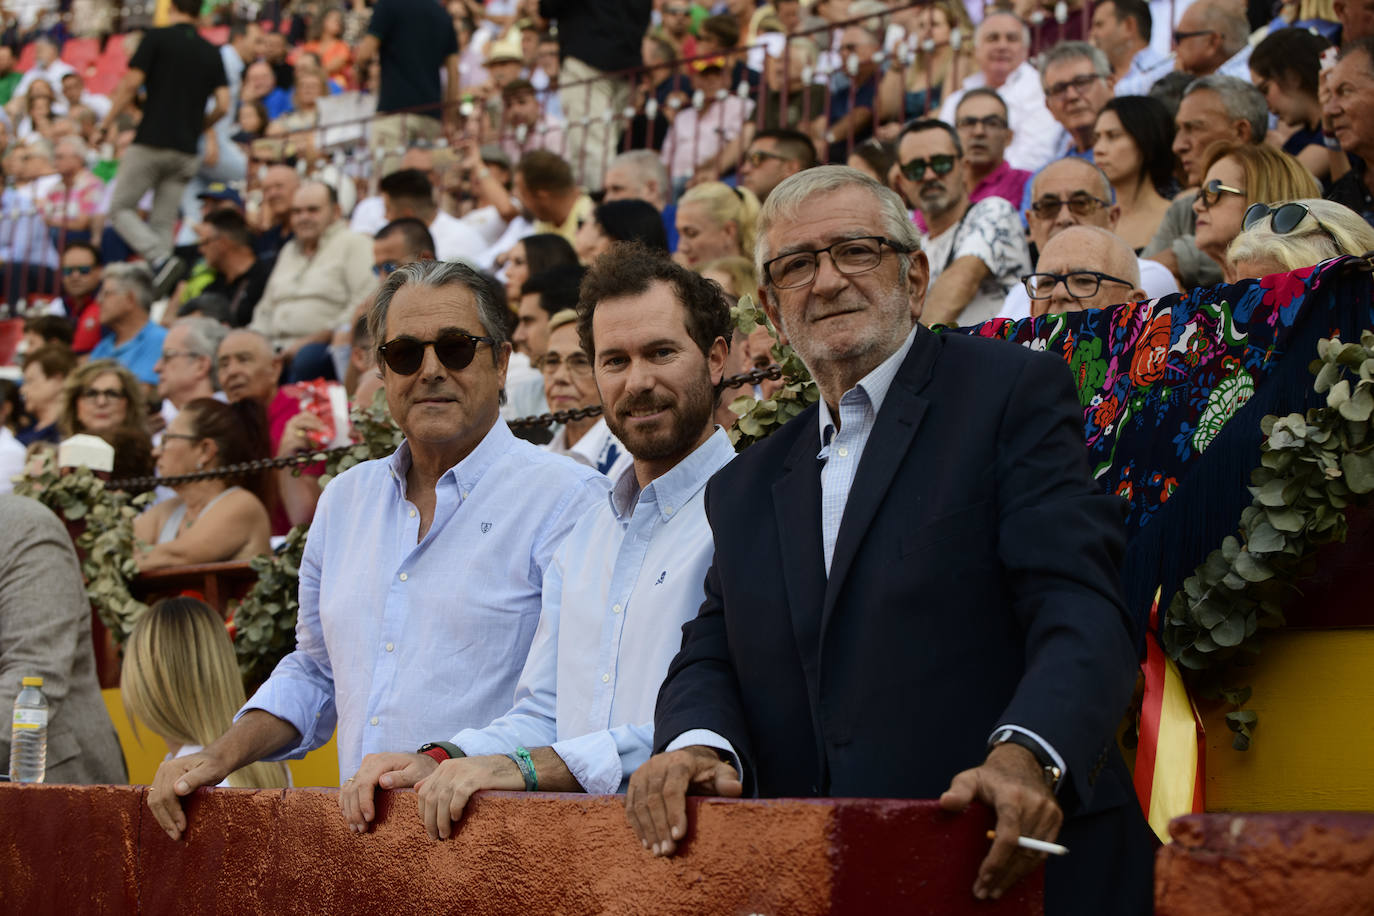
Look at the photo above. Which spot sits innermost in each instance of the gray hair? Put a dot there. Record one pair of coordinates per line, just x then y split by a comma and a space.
78, 145
136, 279
1076, 50
203, 337
1242, 101
1227, 21
437, 275
788, 198
1329, 229
648, 166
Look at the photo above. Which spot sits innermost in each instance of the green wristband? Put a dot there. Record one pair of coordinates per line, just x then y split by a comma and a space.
522, 759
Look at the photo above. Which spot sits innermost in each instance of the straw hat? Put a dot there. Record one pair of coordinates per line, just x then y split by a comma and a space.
505, 48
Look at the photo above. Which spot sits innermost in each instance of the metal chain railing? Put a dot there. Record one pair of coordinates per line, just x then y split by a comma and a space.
752, 377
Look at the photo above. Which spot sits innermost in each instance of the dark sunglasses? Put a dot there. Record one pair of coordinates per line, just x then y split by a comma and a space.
940, 164
1048, 207
1283, 219
1211, 192
68, 271
455, 350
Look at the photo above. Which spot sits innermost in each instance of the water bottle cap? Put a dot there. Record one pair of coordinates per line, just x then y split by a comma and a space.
33, 682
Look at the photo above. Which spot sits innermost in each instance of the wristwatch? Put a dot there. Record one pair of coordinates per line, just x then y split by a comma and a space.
441, 751
1053, 774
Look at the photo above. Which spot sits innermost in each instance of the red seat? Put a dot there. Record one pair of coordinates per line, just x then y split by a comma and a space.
27, 55
81, 52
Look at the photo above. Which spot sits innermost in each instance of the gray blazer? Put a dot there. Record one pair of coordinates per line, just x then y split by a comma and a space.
45, 630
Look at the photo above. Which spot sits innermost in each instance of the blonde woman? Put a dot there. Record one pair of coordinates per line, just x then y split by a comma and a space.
181, 681
735, 274
714, 221
1285, 236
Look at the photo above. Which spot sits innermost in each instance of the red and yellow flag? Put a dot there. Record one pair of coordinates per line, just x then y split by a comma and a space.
1170, 757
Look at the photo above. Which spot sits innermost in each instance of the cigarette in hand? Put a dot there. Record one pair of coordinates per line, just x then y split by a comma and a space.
1026, 842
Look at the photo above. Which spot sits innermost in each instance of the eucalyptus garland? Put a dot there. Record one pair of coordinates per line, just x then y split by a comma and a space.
1313, 467
760, 418
102, 522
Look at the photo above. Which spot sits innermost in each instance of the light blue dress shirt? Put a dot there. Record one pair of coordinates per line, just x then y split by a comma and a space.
139, 354
399, 641
842, 450
1147, 67
620, 588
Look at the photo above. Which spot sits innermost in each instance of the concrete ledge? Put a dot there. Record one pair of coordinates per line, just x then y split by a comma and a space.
1261, 864
287, 851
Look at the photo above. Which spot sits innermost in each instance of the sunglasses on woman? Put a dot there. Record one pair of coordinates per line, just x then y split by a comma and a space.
455, 350
1211, 192
1283, 219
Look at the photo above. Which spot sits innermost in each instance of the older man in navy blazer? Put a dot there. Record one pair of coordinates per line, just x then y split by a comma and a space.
915, 590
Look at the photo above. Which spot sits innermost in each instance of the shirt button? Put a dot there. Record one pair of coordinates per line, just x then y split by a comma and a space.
412, 513
616, 609
667, 510
465, 494
605, 679
390, 646
374, 720
844, 452
404, 577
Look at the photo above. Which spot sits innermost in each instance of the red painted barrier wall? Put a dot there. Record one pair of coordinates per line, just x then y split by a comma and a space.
1318, 864
98, 848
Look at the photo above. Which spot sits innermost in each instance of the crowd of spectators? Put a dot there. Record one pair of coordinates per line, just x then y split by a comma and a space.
208, 249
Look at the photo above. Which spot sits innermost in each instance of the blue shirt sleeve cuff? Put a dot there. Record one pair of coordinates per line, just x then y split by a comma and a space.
303, 706
594, 761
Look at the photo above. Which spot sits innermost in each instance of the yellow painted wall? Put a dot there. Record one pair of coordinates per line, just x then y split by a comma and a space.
1314, 742
318, 768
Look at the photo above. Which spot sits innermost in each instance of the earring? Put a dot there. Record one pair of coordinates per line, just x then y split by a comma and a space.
200, 465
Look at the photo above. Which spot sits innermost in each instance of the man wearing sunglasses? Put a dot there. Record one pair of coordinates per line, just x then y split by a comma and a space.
240, 276
82, 269
773, 155
422, 578
1074, 192
886, 548
658, 336
1213, 37
977, 251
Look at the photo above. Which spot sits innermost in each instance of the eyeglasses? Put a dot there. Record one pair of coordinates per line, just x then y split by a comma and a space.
576, 363
758, 157
850, 257
1282, 219
188, 438
1180, 37
1211, 192
168, 355
103, 394
68, 271
455, 350
1077, 84
987, 122
1081, 284
386, 268
940, 164
1048, 207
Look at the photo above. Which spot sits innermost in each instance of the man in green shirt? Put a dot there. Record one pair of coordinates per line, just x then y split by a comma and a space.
9, 77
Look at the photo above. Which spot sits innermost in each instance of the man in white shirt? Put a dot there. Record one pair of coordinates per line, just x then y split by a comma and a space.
977, 251
409, 193
1074, 192
625, 579
1122, 30
1000, 47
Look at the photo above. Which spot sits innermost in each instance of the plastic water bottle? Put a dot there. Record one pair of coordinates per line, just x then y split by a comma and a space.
29, 737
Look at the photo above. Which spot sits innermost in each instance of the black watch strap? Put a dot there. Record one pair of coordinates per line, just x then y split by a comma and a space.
1053, 774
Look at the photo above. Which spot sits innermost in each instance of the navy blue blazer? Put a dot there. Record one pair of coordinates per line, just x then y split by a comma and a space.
974, 584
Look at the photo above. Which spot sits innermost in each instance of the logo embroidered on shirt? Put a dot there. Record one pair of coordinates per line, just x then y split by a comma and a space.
661, 577
486, 526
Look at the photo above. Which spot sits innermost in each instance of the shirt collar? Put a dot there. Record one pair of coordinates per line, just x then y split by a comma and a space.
874, 385
465, 473
670, 491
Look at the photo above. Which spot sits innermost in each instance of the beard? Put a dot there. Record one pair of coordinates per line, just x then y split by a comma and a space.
677, 433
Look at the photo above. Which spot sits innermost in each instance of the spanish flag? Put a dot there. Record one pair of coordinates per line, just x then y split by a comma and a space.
1170, 757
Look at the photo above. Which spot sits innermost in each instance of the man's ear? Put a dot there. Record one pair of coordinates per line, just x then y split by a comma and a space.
1113, 214
716, 358
1242, 130
1138, 295
770, 309
918, 278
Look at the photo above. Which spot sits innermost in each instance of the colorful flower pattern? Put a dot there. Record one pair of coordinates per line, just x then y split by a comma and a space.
1157, 380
